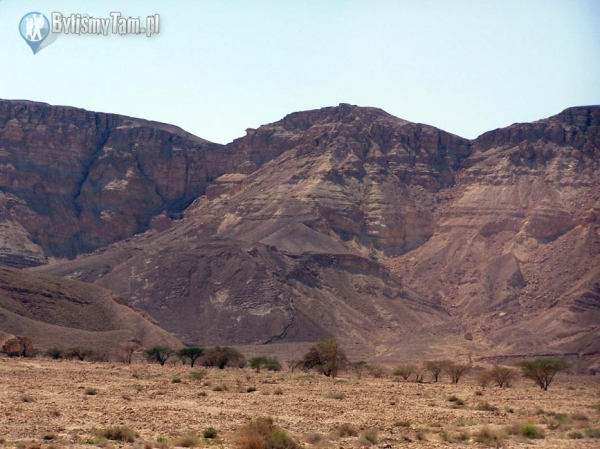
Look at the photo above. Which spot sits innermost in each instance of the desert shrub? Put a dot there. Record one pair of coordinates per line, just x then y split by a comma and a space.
314, 438
176, 380
489, 437
90, 391
222, 356
368, 437
499, 376
119, 433
278, 391
327, 357
273, 364
335, 395
457, 401
456, 370
542, 371
592, 433
159, 354
435, 368
79, 353
54, 353
531, 431
258, 362
345, 430
189, 440
486, 407
404, 371
575, 435
221, 387
191, 353
210, 433
262, 433
250, 389
197, 375
577, 416
401, 424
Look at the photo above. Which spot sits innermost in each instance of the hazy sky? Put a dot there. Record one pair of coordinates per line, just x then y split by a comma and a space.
218, 67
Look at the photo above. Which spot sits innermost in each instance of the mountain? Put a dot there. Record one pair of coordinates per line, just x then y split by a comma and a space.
399, 238
62, 313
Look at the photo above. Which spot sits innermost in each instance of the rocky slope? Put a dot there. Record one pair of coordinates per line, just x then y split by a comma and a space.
61, 313
400, 238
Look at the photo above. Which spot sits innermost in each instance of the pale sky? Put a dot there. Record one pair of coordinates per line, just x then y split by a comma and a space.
220, 66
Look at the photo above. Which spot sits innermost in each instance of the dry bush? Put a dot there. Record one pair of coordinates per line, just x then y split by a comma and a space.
334, 395
531, 431
210, 433
118, 433
343, 431
486, 407
368, 438
500, 376
262, 433
490, 437
456, 370
189, 440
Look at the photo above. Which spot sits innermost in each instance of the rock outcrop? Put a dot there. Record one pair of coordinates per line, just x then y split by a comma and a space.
17, 347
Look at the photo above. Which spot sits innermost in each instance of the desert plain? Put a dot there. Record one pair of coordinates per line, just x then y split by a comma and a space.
48, 403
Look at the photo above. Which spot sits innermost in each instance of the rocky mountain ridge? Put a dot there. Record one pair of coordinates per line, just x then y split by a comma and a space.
397, 237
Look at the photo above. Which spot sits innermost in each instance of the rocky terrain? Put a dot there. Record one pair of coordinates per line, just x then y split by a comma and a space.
64, 314
399, 238
49, 404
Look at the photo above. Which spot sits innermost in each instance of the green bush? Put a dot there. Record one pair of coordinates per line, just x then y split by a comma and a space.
531, 431
262, 433
159, 354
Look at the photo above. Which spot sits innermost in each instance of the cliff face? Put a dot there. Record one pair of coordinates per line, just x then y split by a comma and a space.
74, 180
348, 221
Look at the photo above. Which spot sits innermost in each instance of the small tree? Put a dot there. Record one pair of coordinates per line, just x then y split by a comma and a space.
542, 371
222, 356
192, 353
128, 349
159, 354
435, 367
500, 376
258, 362
327, 356
456, 370
404, 371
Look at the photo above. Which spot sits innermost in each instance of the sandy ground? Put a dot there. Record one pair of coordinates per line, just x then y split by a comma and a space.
46, 403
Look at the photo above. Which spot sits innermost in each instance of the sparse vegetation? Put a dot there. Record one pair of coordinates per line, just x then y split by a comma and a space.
54, 353
542, 371
159, 354
490, 437
335, 395
197, 375
262, 433
118, 433
345, 430
188, 440
79, 353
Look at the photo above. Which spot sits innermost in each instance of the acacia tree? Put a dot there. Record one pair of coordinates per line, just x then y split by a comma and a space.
222, 356
159, 354
542, 371
500, 375
456, 370
327, 356
192, 353
258, 362
435, 367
